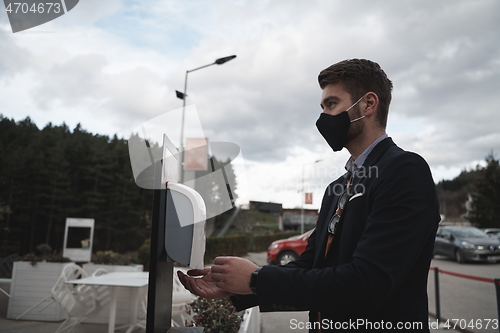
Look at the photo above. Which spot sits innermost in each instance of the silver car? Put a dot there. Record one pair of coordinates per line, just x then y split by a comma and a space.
466, 244
493, 232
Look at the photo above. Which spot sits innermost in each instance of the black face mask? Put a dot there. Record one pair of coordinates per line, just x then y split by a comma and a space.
335, 128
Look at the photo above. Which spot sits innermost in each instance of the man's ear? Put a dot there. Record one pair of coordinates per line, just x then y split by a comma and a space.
371, 104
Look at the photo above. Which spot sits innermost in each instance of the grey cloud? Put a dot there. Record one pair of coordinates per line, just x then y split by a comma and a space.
130, 96
14, 59
71, 82
442, 51
443, 57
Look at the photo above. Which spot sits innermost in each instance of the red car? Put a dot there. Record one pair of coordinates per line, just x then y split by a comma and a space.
283, 251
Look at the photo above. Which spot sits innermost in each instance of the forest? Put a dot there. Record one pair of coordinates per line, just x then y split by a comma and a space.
50, 174
479, 187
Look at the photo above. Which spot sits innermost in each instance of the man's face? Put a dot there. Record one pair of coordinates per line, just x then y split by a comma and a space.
334, 100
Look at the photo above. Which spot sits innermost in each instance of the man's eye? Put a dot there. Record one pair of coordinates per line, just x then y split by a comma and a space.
331, 104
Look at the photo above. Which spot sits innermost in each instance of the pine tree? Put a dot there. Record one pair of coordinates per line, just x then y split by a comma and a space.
486, 199
49, 175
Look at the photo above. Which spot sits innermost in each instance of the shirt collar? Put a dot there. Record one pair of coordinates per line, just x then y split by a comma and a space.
353, 166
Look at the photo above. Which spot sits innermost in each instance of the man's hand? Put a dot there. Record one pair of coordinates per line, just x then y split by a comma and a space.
205, 286
233, 274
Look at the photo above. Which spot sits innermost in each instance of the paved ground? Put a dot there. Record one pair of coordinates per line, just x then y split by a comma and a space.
278, 322
274, 322
25, 326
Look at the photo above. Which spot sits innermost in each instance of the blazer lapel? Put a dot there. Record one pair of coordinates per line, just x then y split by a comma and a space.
371, 160
323, 233
377, 153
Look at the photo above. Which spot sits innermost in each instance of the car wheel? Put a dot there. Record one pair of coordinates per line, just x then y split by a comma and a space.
285, 257
459, 256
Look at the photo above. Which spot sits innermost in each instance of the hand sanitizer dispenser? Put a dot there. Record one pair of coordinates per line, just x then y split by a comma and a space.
185, 214
185, 225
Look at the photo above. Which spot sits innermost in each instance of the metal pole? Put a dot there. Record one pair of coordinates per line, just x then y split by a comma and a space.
436, 290
497, 288
303, 199
159, 312
181, 160
219, 61
302, 203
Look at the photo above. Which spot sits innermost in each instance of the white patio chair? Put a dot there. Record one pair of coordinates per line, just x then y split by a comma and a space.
47, 301
78, 301
142, 311
180, 298
103, 295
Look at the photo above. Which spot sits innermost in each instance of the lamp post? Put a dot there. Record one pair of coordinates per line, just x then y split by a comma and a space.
183, 95
302, 199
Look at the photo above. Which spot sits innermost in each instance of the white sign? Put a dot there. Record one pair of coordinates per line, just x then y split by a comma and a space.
78, 239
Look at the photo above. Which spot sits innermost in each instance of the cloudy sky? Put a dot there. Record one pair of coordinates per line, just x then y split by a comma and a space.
113, 65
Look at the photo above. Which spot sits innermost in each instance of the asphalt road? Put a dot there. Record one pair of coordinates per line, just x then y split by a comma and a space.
463, 299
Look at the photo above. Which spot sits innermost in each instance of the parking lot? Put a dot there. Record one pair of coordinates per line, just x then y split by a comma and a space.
461, 299
465, 299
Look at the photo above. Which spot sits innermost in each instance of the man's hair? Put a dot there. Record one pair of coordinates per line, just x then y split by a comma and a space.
359, 76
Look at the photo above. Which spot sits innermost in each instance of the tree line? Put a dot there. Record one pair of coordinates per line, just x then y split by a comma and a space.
49, 174
481, 187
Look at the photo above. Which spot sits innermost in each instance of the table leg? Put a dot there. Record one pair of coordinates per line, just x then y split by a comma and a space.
112, 309
135, 305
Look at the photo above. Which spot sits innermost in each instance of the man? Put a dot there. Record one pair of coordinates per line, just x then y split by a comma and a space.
366, 264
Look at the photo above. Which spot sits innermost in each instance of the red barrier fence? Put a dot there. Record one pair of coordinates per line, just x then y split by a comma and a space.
470, 277
436, 270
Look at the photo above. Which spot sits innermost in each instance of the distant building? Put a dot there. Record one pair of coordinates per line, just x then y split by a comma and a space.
291, 219
288, 218
266, 207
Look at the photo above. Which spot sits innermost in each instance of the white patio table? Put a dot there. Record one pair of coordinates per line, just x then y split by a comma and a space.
133, 280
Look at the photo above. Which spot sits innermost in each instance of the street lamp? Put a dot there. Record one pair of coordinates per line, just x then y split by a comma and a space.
302, 197
183, 95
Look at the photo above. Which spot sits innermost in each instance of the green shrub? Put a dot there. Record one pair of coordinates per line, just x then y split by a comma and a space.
44, 253
215, 315
235, 245
50, 257
44, 248
111, 258
143, 254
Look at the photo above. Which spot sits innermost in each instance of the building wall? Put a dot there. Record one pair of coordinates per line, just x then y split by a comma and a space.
292, 219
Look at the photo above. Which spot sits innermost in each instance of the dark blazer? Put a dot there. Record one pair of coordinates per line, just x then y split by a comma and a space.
376, 270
